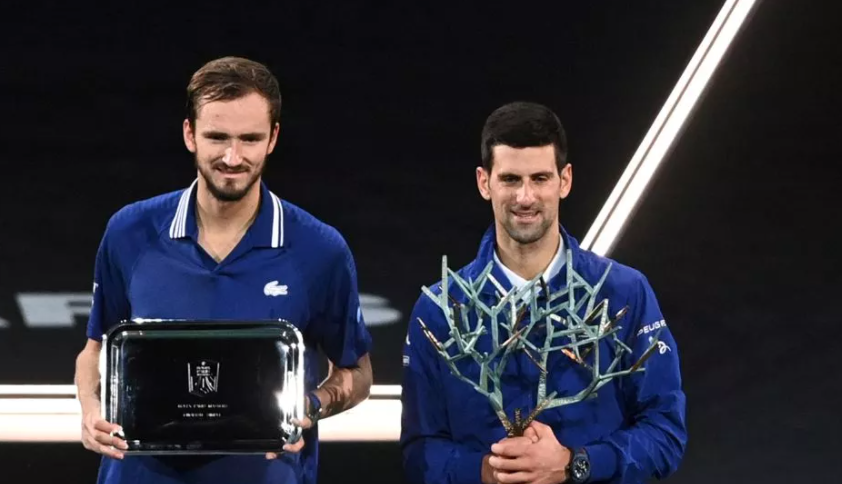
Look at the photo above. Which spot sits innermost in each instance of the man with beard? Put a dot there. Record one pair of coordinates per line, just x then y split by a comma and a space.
635, 428
227, 248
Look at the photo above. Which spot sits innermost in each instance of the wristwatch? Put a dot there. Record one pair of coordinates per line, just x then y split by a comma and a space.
579, 467
314, 409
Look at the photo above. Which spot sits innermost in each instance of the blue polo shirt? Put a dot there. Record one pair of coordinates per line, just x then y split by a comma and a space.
289, 265
632, 431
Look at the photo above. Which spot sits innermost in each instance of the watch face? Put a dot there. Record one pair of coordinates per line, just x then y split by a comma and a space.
580, 469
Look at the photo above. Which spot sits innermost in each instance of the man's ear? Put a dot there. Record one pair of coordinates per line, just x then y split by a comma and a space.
189, 136
483, 178
566, 181
273, 138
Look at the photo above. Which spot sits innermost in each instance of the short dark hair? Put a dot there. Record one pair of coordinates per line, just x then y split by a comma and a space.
523, 125
230, 78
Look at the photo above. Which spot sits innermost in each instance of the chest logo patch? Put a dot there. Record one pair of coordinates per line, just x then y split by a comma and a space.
275, 289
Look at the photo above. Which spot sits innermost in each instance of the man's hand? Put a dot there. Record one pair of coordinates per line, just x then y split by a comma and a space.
342, 389
97, 435
536, 458
487, 472
296, 447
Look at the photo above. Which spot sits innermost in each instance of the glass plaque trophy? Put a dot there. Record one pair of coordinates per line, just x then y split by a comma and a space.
203, 387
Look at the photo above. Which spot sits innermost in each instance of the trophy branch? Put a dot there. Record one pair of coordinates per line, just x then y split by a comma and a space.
505, 322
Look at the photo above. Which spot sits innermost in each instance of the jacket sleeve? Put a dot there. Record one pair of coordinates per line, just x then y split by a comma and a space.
429, 453
341, 331
653, 443
110, 299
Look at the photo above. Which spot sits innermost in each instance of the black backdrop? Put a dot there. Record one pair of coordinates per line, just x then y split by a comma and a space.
379, 137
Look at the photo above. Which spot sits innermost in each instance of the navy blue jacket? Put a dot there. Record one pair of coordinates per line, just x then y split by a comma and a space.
634, 429
289, 265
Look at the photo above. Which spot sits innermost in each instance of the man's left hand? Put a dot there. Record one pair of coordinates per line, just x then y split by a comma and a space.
296, 447
525, 459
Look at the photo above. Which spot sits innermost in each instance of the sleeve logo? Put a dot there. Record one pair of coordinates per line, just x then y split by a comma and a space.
652, 327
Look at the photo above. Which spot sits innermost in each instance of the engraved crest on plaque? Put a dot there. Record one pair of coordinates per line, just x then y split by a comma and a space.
203, 377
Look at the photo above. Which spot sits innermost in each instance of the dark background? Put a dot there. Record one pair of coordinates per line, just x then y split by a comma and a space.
383, 105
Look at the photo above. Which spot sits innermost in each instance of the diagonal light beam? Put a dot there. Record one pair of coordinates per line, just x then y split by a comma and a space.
657, 143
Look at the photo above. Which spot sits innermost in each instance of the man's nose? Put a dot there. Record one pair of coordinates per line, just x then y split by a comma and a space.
233, 154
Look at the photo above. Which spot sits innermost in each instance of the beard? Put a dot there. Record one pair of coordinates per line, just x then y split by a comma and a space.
229, 190
526, 234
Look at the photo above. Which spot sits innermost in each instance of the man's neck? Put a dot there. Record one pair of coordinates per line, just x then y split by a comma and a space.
219, 217
527, 260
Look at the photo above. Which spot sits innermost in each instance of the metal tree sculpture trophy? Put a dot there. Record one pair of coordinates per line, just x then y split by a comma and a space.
577, 337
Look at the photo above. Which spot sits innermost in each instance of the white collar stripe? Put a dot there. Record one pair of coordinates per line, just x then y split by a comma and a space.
175, 224
181, 228
281, 225
179, 215
277, 222
178, 228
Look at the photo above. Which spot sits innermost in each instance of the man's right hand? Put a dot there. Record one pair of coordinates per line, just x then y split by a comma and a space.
487, 472
97, 435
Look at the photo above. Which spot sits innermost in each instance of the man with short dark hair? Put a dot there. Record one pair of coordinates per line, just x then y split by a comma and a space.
633, 431
228, 248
